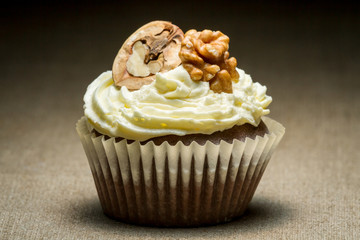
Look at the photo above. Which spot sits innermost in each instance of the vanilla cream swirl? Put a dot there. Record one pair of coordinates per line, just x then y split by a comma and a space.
172, 104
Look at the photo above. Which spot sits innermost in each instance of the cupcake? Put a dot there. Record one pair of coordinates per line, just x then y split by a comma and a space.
176, 134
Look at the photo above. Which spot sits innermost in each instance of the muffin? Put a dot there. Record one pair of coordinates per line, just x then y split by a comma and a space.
175, 134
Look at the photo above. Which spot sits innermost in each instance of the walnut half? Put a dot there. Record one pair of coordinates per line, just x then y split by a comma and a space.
152, 48
205, 57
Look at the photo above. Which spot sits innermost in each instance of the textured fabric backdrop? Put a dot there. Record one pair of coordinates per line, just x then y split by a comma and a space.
307, 56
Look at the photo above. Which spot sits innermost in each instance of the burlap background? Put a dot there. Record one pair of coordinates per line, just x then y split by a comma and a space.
308, 56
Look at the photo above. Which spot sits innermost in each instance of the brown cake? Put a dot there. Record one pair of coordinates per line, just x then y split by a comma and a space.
239, 132
136, 190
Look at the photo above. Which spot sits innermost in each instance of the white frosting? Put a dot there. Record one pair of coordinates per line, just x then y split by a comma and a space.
172, 104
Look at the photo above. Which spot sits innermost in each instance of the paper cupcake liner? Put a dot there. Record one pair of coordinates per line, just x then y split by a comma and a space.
177, 185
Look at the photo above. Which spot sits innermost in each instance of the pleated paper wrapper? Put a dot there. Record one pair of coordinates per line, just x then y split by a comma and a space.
177, 186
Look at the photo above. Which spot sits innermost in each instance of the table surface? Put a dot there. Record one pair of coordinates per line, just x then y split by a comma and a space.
307, 56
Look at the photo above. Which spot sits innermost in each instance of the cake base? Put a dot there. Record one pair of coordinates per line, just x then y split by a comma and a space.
177, 185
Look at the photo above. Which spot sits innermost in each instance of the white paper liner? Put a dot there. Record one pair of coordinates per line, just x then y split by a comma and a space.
177, 185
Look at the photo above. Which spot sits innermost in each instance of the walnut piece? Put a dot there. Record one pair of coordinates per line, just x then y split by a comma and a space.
152, 48
205, 57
